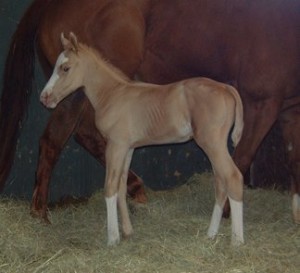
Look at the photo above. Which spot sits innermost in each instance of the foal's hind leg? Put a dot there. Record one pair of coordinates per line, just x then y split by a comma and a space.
59, 128
221, 195
258, 119
228, 182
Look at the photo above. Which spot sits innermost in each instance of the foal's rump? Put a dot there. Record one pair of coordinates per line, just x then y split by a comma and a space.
213, 106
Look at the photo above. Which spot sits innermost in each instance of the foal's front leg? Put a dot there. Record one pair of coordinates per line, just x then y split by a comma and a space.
116, 160
125, 219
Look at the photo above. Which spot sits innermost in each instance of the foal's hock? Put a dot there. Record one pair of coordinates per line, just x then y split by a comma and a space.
132, 114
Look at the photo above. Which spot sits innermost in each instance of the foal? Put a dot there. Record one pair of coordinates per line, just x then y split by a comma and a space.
131, 114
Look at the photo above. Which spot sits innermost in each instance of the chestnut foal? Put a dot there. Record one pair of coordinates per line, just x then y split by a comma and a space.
131, 114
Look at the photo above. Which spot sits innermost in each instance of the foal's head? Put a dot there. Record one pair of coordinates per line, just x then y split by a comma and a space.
67, 75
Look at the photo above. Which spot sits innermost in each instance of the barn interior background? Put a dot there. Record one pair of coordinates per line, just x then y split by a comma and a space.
76, 239
77, 173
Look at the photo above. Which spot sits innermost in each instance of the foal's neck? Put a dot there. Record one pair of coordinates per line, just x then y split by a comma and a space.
102, 80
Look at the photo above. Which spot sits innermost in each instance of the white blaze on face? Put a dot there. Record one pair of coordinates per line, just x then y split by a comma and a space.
112, 220
60, 61
46, 95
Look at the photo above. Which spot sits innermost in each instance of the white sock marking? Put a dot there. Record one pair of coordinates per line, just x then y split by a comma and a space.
54, 77
237, 222
112, 220
215, 221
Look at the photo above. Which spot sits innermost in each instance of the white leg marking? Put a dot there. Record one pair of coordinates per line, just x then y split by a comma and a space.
237, 222
296, 208
215, 221
113, 235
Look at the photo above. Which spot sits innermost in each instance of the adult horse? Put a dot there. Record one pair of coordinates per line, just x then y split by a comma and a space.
254, 45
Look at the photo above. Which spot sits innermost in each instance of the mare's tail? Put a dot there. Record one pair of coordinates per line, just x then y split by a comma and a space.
17, 84
239, 117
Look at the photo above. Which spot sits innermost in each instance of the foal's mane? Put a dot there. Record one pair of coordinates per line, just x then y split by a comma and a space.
101, 59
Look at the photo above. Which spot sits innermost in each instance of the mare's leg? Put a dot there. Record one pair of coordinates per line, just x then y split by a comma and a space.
295, 189
115, 161
59, 128
290, 124
87, 135
259, 116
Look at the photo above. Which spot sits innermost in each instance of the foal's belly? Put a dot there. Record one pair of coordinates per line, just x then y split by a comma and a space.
167, 135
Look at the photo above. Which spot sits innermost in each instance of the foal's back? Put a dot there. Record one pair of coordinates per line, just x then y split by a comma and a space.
148, 114
158, 114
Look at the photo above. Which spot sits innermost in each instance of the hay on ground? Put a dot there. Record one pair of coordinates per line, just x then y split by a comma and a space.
170, 236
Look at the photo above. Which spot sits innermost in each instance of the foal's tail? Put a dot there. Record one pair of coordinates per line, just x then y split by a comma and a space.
239, 120
17, 84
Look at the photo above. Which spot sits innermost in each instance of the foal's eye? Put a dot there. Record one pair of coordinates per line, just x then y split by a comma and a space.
66, 69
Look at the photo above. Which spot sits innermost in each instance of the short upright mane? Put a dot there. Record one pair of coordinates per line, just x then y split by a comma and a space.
99, 57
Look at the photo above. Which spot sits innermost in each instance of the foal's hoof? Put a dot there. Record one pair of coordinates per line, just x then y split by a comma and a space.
127, 235
113, 242
237, 242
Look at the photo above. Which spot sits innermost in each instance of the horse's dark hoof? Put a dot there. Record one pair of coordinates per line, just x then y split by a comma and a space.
226, 214
40, 214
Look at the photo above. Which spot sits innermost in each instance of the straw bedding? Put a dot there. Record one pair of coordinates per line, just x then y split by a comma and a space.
170, 236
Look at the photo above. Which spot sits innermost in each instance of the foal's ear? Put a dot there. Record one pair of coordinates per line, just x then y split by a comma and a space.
71, 43
74, 41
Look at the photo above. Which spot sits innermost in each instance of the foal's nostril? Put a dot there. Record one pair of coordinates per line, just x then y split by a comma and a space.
44, 98
48, 100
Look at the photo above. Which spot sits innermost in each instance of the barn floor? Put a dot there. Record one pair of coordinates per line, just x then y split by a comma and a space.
170, 236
